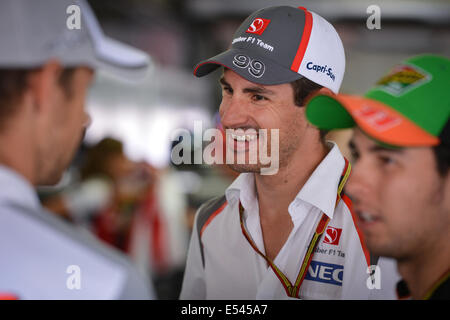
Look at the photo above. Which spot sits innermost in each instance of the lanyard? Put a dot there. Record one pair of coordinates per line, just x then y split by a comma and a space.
293, 290
436, 285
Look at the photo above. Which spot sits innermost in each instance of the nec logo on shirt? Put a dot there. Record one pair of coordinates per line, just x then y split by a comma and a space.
332, 236
258, 26
325, 272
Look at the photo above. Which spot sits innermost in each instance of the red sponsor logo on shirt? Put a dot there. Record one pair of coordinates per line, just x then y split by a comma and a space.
332, 236
258, 26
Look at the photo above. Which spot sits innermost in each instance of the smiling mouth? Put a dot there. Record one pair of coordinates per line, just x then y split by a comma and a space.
243, 137
367, 217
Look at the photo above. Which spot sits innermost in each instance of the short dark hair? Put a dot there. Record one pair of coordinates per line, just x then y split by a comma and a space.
14, 82
12, 85
442, 151
442, 155
303, 89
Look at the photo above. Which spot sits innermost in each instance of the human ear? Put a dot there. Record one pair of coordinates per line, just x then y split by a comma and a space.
322, 90
44, 85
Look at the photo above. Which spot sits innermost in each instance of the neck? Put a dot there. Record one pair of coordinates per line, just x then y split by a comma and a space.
276, 192
422, 271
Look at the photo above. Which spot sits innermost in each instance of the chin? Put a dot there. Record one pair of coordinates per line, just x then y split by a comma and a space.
51, 179
50, 182
241, 168
380, 248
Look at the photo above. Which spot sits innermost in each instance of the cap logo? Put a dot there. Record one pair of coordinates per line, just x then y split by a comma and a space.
328, 71
258, 26
255, 67
403, 79
377, 119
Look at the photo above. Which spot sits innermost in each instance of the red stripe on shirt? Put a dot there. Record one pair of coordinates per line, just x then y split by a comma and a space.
211, 217
349, 204
8, 296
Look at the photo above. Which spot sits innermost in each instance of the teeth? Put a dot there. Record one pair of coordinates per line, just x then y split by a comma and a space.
366, 217
245, 137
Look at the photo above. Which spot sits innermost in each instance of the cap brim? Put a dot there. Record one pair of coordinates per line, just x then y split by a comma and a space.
257, 70
121, 59
111, 55
376, 119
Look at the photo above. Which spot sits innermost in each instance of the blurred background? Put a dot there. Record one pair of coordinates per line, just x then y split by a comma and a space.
122, 185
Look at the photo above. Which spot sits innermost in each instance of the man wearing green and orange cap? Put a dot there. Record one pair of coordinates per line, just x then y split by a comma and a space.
400, 184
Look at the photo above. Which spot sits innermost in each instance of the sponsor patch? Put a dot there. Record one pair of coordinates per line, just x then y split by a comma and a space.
325, 273
258, 26
402, 79
332, 236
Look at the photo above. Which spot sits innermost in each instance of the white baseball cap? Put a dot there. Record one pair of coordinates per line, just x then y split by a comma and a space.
33, 32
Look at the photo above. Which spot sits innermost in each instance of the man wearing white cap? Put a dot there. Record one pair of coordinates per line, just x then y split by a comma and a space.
286, 233
46, 69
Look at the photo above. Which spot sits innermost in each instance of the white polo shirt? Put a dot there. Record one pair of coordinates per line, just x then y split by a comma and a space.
42, 257
222, 264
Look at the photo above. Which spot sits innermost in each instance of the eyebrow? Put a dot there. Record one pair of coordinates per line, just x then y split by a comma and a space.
376, 148
253, 89
224, 82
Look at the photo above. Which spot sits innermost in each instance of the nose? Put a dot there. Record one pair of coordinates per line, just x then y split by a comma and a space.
233, 112
87, 120
358, 184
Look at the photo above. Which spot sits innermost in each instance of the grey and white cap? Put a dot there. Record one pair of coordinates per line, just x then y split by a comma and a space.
33, 32
282, 44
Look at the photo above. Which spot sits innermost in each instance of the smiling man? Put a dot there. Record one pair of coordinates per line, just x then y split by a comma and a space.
400, 184
286, 233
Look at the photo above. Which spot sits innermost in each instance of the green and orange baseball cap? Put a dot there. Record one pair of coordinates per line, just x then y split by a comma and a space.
409, 107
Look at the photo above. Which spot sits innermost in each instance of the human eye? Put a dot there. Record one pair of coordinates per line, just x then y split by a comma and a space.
354, 155
258, 97
386, 160
227, 90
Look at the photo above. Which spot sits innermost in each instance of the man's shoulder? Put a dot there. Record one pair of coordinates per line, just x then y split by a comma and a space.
44, 242
43, 226
204, 216
208, 210
209, 207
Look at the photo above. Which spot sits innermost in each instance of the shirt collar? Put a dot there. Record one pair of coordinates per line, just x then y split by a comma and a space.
242, 189
320, 190
16, 189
